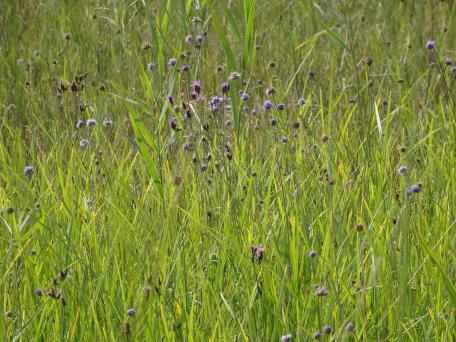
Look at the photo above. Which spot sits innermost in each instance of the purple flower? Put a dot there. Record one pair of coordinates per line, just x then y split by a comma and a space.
173, 123
312, 254
270, 91
79, 124
286, 338
203, 167
280, 106
186, 146
131, 312
185, 68
413, 189
194, 95
449, 61
257, 253
225, 87
91, 122
430, 45
327, 329
196, 86
402, 170
301, 101
273, 122
170, 99
453, 68
84, 143
199, 38
172, 61
38, 292
245, 96
267, 105
321, 291
28, 171
151, 66
317, 335
350, 327
188, 39
284, 139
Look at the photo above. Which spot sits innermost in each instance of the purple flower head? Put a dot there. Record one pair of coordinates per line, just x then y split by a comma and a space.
172, 61
186, 146
286, 338
430, 45
170, 99
131, 312
273, 122
214, 103
312, 254
267, 105
280, 106
301, 101
194, 95
173, 123
413, 189
385, 103
196, 86
245, 96
453, 68
79, 124
449, 61
327, 329
84, 143
402, 170
321, 291
255, 112
317, 335
284, 139
38, 292
188, 38
91, 122
257, 253
28, 171
199, 38
185, 68
350, 327
203, 167
225, 87
151, 66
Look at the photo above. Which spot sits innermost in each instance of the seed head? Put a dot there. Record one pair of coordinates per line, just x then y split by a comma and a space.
177, 180
327, 329
185, 68
280, 106
273, 122
321, 291
9, 314
9, 210
284, 139
107, 123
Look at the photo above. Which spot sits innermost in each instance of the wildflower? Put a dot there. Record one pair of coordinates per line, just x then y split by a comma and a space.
79, 124
107, 122
286, 338
172, 61
449, 61
273, 122
350, 327
284, 139
186, 146
173, 123
280, 106
185, 68
402, 170
453, 68
254, 112
28, 170
188, 38
270, 91
245, 96
84, 143
257, 253
413, 189
196, 86
317, 335
151, 66
38, 292
203, 167
91, 122
146, 45
194, 95
131, 312
321, 291
312, 254
9, 314
170, 99
225, 87
147, 289
301, 101
9, 210
267, 105
327, 329
296, 125
430, 45
385, 103
199, 38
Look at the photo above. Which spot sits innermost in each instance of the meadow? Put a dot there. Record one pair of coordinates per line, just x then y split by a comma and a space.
239, 170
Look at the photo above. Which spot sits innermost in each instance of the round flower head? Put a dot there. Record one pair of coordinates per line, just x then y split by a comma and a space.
203, 167
430, 45
79, 124
284, 139
273, 122
185, 68
321, 291
170, 99
267, 105
385, 103
317, 335
402, 170
286, 338
84, 143
449, 61
453, 68
173, 123
327, 329
350, 327
188, 39
151, 66
413, 189
38, 292
9, 210
131, 312
196, 86
91, 122
186, 146
245, 96
312, 254
301, 101
172, 61
28, 171
280, 106
199, 38
225, 87
270, 91
194, 95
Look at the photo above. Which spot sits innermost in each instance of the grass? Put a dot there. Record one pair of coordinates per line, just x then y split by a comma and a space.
132, 222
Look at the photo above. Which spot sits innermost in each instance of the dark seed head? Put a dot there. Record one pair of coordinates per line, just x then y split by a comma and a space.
9, 210
430, 45
327, 329
131, 312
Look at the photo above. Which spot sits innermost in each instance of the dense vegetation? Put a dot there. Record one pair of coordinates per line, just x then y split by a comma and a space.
227, 170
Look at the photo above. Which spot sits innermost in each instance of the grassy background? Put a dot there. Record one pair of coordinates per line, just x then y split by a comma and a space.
104, 219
